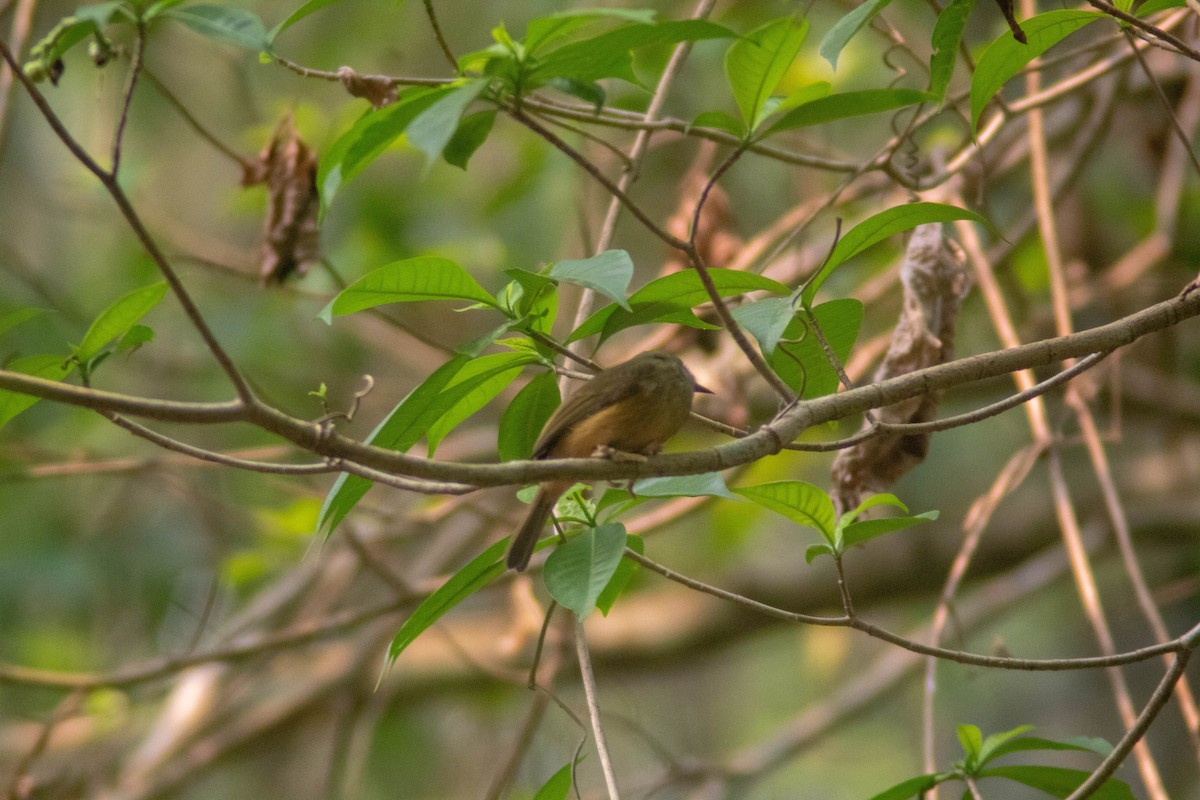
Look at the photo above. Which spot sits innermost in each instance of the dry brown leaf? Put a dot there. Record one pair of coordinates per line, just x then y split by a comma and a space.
291, 238
934, 283
378, 90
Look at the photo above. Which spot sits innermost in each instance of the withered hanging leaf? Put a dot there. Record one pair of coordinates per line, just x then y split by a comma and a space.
291, 238
378, 90
934, 283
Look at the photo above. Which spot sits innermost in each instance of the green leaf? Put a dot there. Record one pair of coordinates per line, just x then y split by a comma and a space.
472, 132
372, 134
1059, 781
117, 319
1025, 743
587, 91
297, 15
799, 358
721, 120
756, 63
859, 532
50, 367
542, 31
910, 788
670, 299
608, 273
813, 550
1154, 6
231, 24
557, 787
881, 499
621, 578
710, 484
135, 337
609, 54
848, 104
464, 583
947, 36
845, 28
526, 415
766, 320
413, 279
483, 377
879, 227
399, 430
18, 316
799, 501
432, 129
1005, 57
971, 739
577, 572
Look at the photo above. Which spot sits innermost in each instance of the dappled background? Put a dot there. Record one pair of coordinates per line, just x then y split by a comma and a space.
172, 628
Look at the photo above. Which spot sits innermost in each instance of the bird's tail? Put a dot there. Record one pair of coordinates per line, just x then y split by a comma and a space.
521, 548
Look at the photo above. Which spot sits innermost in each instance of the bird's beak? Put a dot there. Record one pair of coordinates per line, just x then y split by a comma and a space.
702, 389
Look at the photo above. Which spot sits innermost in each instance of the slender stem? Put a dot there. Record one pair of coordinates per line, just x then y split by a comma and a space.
593, 704
439, 36
135, 71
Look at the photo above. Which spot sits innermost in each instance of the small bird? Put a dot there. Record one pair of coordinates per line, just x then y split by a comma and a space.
631, 408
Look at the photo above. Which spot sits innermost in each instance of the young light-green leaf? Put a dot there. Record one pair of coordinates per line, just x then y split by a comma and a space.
1059, 781
577, 572
557, 787
910, 788
766, 320
799, 501
474, 576
297, 15
472, 132
626, 569
1005, 57
756, 63
859, 532
845, 28
875, 229
487, 376
413, 279
118, 318
804, 366
608, 273
18, 316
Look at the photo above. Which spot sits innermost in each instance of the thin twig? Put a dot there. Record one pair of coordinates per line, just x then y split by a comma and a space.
593, 704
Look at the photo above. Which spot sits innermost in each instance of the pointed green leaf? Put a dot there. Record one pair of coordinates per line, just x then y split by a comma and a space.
721, 120
799, 358
621, 578
710, 484
1025, 743
472, 132
369, 137
947, 36
118, 318
18, 316
297, 15
609, 54
814, 550
577, 572
422, 278
540, 32
799, 501
432, 129
557, 787
845, 28
135, 337
1005, 57
608, 273
912, 787
756, 63
848, 104
881, 499
971, 739
671, 298
474, 576
875, 229
766, 320
1154, 6
484, 378
859, 532
1059, 781
50, 367
525, 416
231, 24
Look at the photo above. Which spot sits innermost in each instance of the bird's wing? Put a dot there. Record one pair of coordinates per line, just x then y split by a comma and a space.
581, 405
